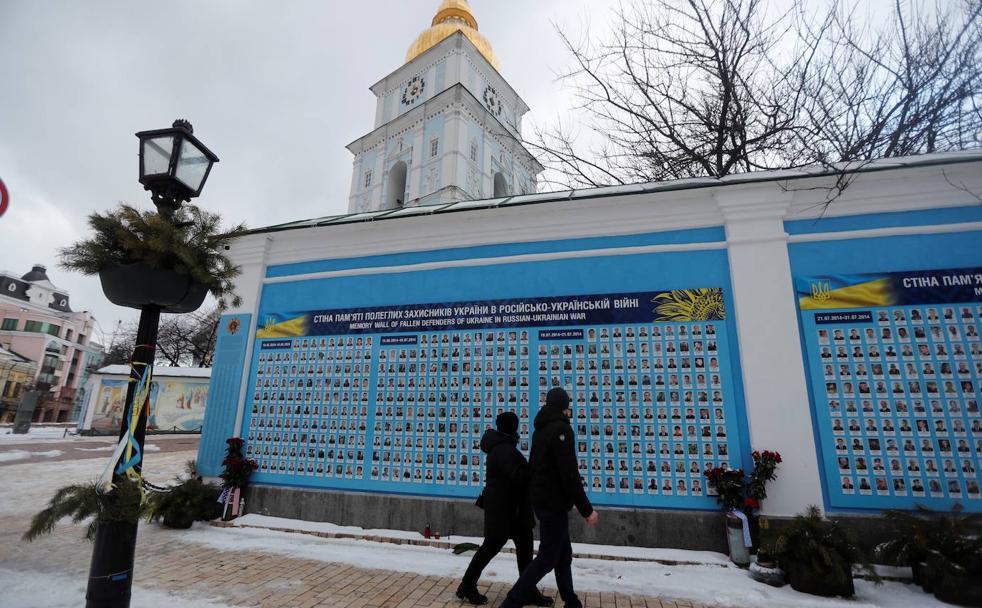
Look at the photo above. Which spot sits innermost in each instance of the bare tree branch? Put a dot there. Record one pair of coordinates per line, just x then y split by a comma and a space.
690, 88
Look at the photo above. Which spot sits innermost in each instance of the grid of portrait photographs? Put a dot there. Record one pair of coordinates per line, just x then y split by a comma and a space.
436, 395
648, 406
406, 412
310, 406
900, 405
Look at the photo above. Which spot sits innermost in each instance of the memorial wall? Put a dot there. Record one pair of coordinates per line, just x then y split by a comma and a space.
396, 399
895, 362
689, 327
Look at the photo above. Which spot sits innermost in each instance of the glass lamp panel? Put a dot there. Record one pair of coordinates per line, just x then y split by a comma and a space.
156, 154
192, 165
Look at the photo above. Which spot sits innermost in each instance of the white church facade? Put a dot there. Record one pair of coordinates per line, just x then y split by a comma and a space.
447, 125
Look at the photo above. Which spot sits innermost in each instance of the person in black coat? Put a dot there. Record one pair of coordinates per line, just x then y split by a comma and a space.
507, 510
556, 487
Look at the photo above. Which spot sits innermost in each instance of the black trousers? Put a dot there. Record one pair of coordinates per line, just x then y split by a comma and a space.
491, 546
555, 554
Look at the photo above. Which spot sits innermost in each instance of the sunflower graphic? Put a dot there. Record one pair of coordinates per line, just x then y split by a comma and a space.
704, 304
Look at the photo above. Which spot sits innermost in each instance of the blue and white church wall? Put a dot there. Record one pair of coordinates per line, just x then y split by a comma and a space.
889, 291
626, 282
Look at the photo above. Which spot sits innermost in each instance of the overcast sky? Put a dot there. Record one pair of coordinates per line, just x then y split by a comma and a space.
276, 89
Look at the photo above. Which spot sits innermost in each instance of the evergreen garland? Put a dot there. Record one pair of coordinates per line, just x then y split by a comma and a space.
823, 548
923, 534
190, 500
191, 244
125, 503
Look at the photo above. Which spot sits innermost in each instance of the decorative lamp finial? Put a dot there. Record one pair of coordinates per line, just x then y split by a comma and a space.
180, 123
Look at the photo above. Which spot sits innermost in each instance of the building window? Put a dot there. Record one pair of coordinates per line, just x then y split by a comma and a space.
11, 390
9, 324
434, 147
50, 364
368, 178
42, 328
474, 151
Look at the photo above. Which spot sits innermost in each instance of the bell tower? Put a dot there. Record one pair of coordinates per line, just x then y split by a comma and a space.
447, 125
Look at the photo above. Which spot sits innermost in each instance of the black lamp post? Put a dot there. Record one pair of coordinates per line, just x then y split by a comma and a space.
174, 166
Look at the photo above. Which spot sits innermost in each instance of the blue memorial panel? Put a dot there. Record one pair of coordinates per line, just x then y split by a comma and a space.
223, 394
396, 399
895, 362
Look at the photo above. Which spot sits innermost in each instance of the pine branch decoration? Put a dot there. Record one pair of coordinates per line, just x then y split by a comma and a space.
191, 244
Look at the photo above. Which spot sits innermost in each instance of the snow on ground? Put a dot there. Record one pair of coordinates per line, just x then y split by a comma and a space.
150, 447
24, 454
710, 584
34, 590
44, 434
638, 553
34, 434
28, 486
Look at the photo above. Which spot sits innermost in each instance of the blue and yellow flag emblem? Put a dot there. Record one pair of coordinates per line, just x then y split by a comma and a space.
843, 291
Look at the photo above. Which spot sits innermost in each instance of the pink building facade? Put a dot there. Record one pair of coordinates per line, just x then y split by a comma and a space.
37, 323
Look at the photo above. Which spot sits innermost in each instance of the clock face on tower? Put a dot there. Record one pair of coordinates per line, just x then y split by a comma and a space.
492, 101
413, 90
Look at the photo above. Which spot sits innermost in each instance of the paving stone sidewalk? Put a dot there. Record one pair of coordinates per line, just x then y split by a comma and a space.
259, 579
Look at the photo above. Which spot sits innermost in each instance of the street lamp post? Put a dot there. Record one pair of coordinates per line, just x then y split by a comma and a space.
174, 166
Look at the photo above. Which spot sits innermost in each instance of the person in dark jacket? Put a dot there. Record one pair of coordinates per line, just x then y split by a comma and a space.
555, 487
507, 510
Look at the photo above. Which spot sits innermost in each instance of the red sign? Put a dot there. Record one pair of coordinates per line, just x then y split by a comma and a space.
4, 198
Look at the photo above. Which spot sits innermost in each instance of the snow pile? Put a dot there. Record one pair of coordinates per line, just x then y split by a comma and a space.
609, 551
150, 447
35, 433
35, 590
24, 455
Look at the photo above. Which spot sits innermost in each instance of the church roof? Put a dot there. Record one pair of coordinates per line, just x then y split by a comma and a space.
776, 175
452, 16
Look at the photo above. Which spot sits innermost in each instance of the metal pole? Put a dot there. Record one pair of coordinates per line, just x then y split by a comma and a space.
111, 568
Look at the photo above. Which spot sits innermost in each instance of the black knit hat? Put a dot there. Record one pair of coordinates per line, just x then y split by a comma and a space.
507, 422
557, 397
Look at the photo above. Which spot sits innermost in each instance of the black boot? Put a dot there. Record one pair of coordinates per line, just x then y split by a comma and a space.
535, 598
471, 594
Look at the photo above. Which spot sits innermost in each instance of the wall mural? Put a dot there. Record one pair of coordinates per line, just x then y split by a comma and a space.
176, 404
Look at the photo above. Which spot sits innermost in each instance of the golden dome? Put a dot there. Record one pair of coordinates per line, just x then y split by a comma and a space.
452, 16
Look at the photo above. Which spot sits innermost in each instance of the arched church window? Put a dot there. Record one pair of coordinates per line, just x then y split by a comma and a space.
500, 185
395, 196
368, 178
434, 147
474, 151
